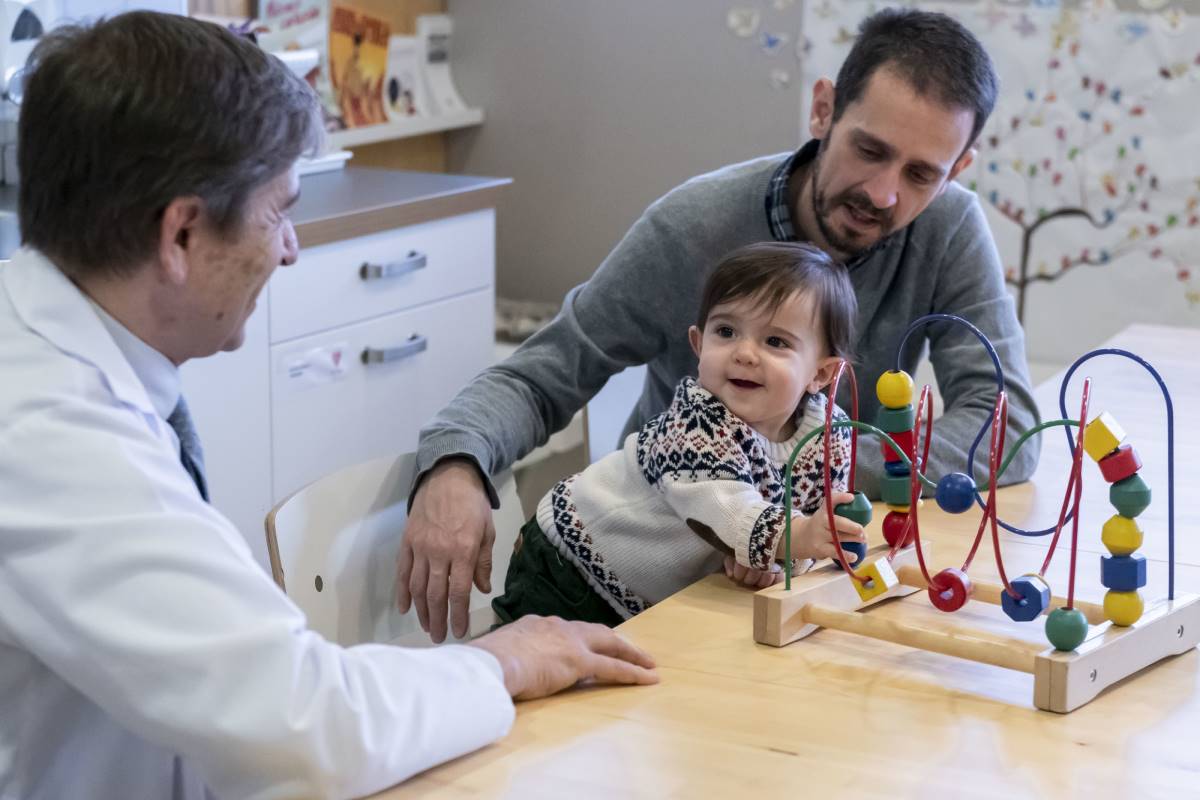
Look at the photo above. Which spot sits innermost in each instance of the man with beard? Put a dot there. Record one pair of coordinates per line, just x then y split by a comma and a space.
874, 188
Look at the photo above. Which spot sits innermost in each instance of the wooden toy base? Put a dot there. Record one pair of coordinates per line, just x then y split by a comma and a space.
1062, 681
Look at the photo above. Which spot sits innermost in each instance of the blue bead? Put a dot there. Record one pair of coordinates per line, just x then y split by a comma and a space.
1035, 597
1123, 573
896, 468
857, 552
955, 492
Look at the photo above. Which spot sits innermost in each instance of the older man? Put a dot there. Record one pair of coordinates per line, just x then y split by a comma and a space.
143, 653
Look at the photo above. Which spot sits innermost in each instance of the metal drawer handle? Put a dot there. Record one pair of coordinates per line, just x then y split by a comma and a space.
415, 344
394, 269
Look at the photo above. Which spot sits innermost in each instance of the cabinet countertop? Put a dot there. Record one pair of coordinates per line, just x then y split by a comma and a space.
356, 201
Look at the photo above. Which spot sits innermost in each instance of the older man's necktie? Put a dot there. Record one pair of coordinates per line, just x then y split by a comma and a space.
190, 453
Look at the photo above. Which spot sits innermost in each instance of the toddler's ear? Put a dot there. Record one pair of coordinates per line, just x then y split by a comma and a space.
694, 338
826, 369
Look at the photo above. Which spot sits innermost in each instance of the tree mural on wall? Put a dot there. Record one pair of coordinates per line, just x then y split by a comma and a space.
1072, 150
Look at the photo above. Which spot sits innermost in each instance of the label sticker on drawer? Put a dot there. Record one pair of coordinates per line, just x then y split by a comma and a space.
319, 365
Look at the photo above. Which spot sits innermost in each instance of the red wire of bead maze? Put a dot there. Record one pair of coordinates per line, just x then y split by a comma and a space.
917, 467
1074, 482
827, 441
995, 457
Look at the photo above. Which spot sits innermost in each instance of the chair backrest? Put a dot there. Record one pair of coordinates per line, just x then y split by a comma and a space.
334, 546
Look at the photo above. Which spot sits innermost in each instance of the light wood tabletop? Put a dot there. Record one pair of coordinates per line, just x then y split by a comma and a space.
837, 715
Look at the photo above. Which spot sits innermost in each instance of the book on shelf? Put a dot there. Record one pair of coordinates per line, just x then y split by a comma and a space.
433, 36
404, 87
358, 60
285, 25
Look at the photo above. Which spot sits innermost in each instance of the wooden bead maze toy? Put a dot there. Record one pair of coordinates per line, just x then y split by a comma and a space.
1092, 646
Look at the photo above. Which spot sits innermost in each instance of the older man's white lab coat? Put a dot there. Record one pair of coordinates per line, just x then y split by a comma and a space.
143, 652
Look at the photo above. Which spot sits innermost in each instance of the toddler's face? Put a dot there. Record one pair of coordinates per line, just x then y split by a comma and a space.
760, 363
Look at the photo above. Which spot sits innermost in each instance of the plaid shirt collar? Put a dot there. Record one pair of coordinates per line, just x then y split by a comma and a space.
779, 215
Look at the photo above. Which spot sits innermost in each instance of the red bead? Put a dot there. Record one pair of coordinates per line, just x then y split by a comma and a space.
1120, 464
893, 528
950, 589
902, 438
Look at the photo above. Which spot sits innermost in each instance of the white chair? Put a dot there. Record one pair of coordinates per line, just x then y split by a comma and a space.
334, 544
606, 414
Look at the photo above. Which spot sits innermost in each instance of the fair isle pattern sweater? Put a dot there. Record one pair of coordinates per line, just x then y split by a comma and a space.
628, 522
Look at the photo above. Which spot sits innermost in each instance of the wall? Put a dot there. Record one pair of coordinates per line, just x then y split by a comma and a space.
1091, 158
596, 109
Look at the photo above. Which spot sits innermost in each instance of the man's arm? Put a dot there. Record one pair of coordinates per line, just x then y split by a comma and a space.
613, 321
970, 284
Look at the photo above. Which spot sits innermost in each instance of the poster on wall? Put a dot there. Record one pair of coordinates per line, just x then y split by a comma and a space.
1089, 168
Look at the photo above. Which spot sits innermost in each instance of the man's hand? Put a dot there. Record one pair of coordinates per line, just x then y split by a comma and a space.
447, 543
544, 655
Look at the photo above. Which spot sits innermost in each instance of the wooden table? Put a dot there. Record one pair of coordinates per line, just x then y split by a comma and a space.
837, 715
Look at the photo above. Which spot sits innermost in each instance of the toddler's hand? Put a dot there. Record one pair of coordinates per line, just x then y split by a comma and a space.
811, 536
754, 578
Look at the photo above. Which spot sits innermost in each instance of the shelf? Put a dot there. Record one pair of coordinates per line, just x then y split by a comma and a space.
416, 126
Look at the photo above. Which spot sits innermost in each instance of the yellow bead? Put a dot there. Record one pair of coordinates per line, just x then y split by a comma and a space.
1121, 535
903, 509
880, 575
1123, 608
894, 389
1101, 436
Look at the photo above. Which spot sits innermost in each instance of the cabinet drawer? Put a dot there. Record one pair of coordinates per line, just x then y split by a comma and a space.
331, 408
362, 278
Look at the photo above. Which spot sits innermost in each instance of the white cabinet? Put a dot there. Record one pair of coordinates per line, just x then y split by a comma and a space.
326, 416
369, 276
350, 352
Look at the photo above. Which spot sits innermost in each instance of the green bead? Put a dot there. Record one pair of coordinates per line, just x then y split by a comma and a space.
858, 509
895, 420
1130, 496
1066, 628
894, 489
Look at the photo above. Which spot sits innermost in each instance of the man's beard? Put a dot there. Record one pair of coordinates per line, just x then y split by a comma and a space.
849, 247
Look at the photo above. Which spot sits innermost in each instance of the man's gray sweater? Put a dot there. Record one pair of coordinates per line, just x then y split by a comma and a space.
637, 307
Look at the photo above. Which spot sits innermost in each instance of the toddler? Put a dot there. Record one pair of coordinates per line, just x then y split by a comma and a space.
700, 486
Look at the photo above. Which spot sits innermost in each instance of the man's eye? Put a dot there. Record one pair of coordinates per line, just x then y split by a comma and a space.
868, 153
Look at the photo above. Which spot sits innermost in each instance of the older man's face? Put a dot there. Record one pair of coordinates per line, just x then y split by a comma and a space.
231, 273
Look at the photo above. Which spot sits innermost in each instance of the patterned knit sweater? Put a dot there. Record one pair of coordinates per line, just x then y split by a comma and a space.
636, 523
